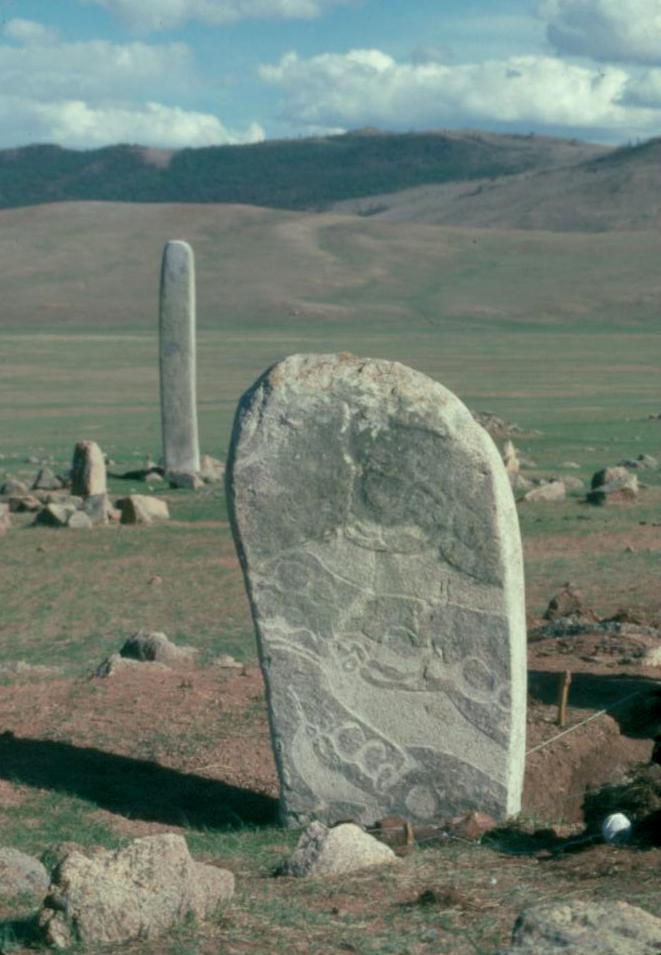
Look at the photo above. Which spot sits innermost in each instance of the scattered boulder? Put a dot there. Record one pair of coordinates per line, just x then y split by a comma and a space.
116, 663
88, 470
495, 426
139, 892
46, 480
585, 928
572, 483
142, 509
471, 825
571, 465
147, 646
652, 657
567, 602
212, 470
98, 508
642, 462
344, 848
13, 486
226, 662
54, 515
5, 518
24, 503
79, 521
184, 479
21, 875
510, 458
553, 491
23, 669
520, 483
613, 485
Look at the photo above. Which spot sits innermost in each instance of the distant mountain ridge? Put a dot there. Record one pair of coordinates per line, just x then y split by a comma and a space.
288, 174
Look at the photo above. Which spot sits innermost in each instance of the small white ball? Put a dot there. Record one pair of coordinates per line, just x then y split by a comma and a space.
616, 828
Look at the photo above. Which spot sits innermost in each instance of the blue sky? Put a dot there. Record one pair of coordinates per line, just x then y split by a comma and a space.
174, 73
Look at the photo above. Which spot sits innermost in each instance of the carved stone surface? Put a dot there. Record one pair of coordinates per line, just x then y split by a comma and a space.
181, 452
380, 543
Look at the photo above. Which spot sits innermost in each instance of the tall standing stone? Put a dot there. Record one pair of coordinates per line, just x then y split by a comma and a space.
181, 451
380, 544
88, 470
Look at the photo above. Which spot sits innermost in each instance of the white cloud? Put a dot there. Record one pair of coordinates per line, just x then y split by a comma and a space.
150, 15
368, 87
78, 125
605, 30
95, 93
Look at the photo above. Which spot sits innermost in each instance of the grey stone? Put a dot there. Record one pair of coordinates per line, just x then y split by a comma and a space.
613, 485
13, 486
88, 470
643, 461
379, 538
46, 480
79, 521
184, 479
345, 848
142, 509
98, 508
116, 663
553, 491
25, 503
212, 470
572, 483
21, 875
519, 482
55, 515
511, 458
139, 892
5, 518
146, 645
177, 359
586, 928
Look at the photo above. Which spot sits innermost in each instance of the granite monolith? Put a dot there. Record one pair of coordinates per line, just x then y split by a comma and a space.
379, 540
181, 451
88, 470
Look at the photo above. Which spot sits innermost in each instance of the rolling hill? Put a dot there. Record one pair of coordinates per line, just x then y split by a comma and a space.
618, 190
288, 174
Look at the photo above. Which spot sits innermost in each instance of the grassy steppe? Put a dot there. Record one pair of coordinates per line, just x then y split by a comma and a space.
557, 333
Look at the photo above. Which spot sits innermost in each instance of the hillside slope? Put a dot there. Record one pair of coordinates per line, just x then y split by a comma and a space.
288, 174
620, 190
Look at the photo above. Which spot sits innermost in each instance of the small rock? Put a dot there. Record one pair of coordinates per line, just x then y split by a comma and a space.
140, 892
142, 509
553, 491
117, 664
567, 602
147, 646
184, 479
652, 657
471, 825
344, 848
26, 503
46, 480
572, 483
212, 470
54, 515
570, 465
21, 668
585, 928
613, 485
13, 486
98, 508
227, 662
21, 875
520, 483
79, 521
643, 461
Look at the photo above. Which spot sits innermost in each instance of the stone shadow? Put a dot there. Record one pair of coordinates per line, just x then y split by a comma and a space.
134, 788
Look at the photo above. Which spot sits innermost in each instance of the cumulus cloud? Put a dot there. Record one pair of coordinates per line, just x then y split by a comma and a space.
151, 15
96, 93
368, 87
605, 30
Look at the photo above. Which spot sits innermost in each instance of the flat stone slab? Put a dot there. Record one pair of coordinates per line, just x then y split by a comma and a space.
379, 539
